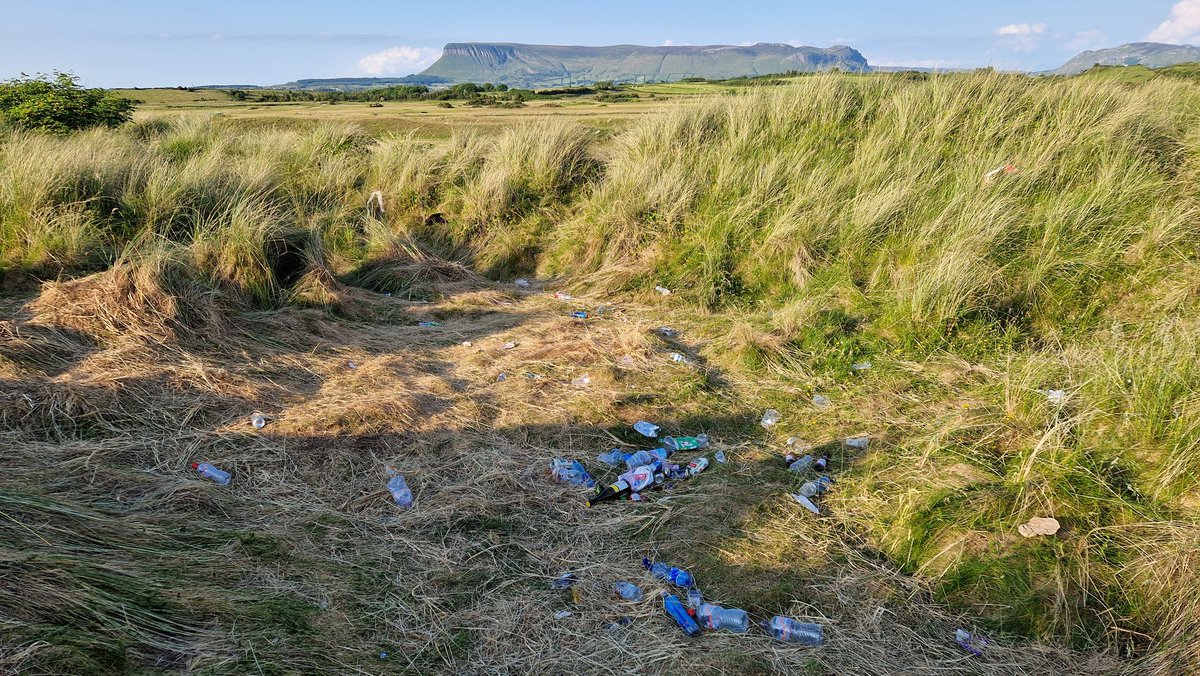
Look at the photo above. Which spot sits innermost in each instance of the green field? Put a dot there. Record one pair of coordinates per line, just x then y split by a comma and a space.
214, 258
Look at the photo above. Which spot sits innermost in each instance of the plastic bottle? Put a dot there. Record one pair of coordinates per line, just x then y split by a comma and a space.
646, 429
860, 442
642, 477
861, 366
770, 418
579, 314
522, 283
720, 456
730, 619
791, 631
572, 472
209, 472
645, 458
674, 444
821, 401
676, 610
629, 591
812, 488
695, 599
399, 489
676, 576
428, 325
799, 465
697, 466
663, 290
258, 420
613, 457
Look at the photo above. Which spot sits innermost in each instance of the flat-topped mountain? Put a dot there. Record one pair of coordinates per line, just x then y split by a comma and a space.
553, 65
1149, 54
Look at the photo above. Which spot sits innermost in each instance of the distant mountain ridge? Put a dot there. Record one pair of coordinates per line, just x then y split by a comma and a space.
521, 65
1149, 54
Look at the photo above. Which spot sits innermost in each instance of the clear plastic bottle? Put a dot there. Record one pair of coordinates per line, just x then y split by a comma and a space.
675, 444
695, 598
812, 488
792, 631
645, 458
715, 617
613, 457
770, 418
676, 576
629, 591
572, 472
399, 489
209, 472
801, 464
646, 429
258, 420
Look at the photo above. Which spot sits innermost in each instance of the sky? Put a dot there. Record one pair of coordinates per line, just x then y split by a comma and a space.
145, 43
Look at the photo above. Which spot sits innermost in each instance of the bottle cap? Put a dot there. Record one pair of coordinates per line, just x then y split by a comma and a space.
195, 465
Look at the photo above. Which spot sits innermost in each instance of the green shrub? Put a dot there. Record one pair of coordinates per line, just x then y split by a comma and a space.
59, 105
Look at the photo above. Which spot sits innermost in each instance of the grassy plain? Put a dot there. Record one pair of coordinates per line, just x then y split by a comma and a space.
214, 258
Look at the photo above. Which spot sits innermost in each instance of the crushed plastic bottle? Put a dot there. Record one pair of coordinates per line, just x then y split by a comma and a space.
562, 614
641, 478
579, 314
821, 401
501, 377
813, 488
697, 466
720, 456
770, 418
680, 614
972, 643
695, 599
861, 366
715, 617
667, 332
798, 464
428, 325
646, 429
663, 290
635, 460
582, 381
675, 444
613, 457
521, 283
676, 576
210, 472
399, 489
509, 345
572, 472
258, 420
792, 631
351, 365
806, 503
860, 442
629, 591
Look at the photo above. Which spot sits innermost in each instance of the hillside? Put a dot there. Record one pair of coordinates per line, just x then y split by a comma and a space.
969, 348
551, 65
1149, 54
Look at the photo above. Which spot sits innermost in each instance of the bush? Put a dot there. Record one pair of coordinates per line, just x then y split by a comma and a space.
59, 105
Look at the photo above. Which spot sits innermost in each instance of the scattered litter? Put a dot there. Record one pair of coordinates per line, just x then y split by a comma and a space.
613, 457
509, 345
522, 283
428, 325
861, 366
467, 343
730, 619
646, 429
720, 456
399, 489
676, 576
616, 626
814, 488
1055, 397
991, 175
695, 599
582, 381
383, 654
258, 420
375, 204
667, 332
629, 591
560, 295
697, 466
1038, 525
972, 643
636, 497
770, 418
663, 290
677, 612
806, 503
821, 401
821, 463
860, 442
352, 365
675, 444
642, 458
579, 314
795, 442
678, 358
564, 581
388, 294
209, 472
571, 471
792, 631
562, 614
501, 377
532, 376
798, 464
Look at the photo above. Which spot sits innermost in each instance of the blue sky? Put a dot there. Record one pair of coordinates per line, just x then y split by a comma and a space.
173, 42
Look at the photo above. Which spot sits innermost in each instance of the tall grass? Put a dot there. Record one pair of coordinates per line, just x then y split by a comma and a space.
854, 210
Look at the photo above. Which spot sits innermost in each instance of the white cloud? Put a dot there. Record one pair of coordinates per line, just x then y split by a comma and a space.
401, 60
1021, 37
1183, 27
1084, 40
